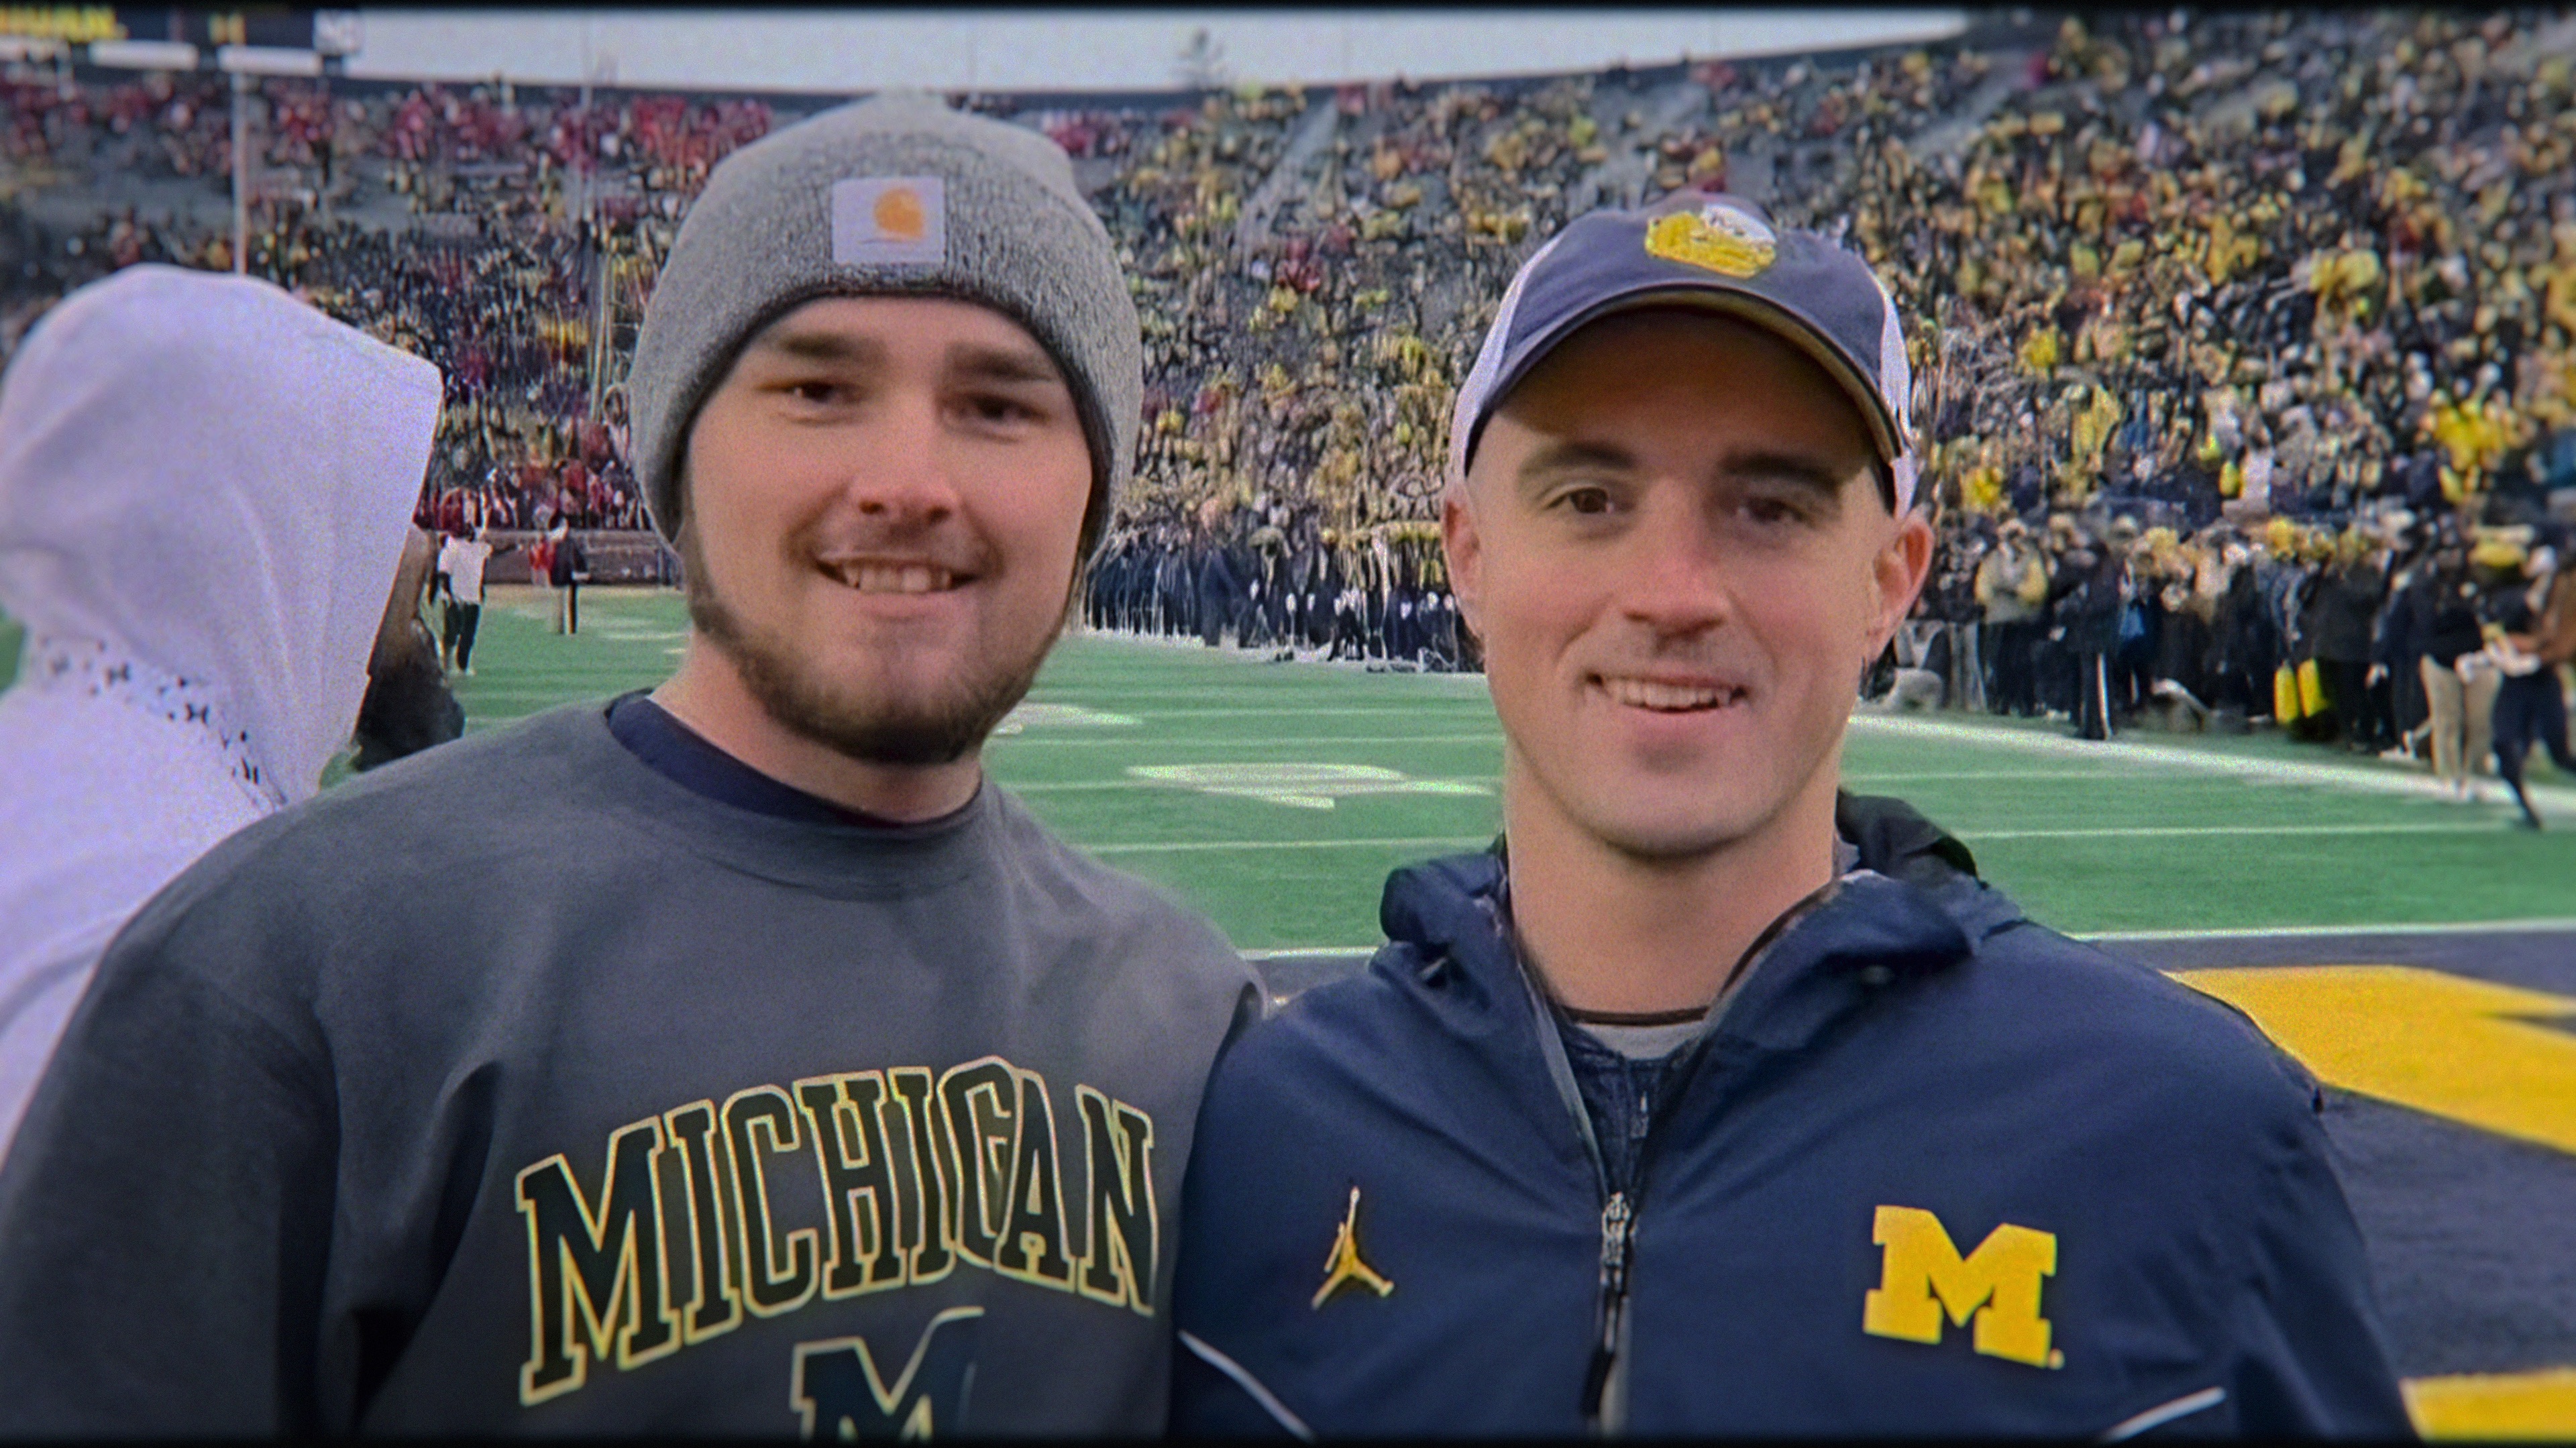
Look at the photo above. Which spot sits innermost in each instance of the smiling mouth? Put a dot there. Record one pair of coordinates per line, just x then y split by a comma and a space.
876, 576
1668, 698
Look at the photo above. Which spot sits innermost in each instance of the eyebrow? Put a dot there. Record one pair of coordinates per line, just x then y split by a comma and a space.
821, 347
1767, 464
1002, 364
1566, 453
1776, 466
974, 359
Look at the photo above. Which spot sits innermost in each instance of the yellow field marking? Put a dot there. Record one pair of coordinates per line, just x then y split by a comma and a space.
2458, 1048
2500, 1405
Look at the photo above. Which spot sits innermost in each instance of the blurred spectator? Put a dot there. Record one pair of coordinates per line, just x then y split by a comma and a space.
462, 558
2530, 712
2459, 679
2012, 585
202, 491
407, 707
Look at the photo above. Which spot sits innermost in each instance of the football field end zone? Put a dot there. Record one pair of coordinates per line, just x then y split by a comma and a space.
2505, 1406
2405, 1207
2451, 1069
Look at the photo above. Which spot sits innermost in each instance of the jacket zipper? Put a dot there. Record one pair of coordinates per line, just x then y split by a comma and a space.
1619, 1207
1617, 1216
1606, 1411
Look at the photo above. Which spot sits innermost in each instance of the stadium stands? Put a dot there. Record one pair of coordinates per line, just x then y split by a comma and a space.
2240, 313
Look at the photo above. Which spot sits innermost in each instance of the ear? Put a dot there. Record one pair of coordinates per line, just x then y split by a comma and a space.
1896, 576
1466, 554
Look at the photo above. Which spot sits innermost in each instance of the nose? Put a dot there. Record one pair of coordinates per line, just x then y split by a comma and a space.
899, 473
1674, 579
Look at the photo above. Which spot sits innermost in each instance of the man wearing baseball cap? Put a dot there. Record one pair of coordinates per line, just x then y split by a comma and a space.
1710, 1101
814, 1088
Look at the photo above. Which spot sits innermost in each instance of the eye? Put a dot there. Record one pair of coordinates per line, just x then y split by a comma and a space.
996, 408
1589, 500
814, 390
1773, 512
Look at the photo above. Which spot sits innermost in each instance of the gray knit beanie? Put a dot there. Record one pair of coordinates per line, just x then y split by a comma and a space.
895, 195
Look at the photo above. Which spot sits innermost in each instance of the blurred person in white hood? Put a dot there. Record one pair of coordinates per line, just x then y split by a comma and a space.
204, 488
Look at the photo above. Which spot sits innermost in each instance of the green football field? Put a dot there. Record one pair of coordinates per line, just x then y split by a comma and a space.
2418, 955
1275, 797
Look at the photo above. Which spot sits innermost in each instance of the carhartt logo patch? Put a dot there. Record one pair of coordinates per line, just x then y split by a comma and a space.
1922, 1279
1717, 237
1344, 1265
890, 221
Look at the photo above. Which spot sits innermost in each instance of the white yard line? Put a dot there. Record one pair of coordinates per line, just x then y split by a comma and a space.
1319, 741
2483, 827
1085, 786
1930, 776
1394, 709
2463, 827
1183, 847
1088, 785
2306, 932
1111, 695
2554, 800
2558, 801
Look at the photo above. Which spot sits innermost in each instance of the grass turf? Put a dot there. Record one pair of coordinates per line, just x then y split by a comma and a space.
2063, 834
1288, 845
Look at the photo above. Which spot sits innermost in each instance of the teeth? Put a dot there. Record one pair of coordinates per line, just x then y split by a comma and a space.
1647, 694
895, 577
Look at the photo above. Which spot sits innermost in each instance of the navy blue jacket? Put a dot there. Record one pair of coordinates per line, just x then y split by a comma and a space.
1933, 1169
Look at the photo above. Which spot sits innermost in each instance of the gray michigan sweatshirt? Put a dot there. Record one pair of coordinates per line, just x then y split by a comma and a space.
516, 1088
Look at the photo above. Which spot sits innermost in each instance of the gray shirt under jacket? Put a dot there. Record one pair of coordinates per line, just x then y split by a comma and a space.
516, 1088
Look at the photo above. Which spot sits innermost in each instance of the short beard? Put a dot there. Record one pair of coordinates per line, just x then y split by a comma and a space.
883, 732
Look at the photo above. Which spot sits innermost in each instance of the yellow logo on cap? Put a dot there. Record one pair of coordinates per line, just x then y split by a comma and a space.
1717, 237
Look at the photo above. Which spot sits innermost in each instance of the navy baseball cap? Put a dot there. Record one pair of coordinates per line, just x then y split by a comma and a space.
1718, 252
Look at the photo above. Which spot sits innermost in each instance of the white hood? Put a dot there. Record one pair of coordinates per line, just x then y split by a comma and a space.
207, 476
204, 485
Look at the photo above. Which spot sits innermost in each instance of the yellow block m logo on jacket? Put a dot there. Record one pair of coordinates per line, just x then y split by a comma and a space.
1922, 1277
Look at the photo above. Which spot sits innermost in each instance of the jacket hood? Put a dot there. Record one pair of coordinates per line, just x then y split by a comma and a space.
1437, 904
207, 477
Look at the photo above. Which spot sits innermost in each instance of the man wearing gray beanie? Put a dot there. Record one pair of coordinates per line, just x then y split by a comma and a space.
819, 1089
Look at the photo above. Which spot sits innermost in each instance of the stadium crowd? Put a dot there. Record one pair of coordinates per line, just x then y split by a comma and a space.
1279, 580
515, 235
2227, 326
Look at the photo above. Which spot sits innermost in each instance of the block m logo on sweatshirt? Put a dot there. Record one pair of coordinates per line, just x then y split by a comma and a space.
843, 1394
1923, 1279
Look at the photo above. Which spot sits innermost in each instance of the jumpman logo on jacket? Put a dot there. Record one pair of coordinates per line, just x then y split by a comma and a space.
1344, 1265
